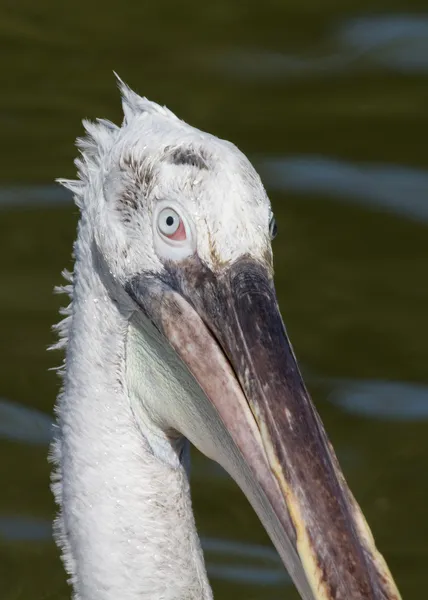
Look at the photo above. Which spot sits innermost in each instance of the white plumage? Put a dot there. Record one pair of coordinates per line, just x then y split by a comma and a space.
176, 337
126, 525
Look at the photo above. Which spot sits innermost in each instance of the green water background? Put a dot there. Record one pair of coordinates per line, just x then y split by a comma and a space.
337, 92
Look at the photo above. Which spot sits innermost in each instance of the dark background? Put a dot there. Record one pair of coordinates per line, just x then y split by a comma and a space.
329, 100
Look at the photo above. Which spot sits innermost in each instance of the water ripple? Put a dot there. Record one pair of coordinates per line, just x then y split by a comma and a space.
23, 424
248, 575
396, 189
240, 549
26, 196
241, 562
394, 42
390, 400
24, 529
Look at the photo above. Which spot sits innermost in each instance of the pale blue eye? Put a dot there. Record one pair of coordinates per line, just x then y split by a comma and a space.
168, 221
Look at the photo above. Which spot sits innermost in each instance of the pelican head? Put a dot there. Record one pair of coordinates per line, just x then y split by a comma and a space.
179, 228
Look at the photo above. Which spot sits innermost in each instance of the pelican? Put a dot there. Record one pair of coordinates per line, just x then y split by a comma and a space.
174, 336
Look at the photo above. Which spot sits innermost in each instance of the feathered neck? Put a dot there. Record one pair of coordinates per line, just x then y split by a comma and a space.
125, 527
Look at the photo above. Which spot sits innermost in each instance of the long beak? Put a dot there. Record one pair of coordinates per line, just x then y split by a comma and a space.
228, 330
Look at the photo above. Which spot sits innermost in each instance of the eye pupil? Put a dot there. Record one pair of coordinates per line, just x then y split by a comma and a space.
170, 225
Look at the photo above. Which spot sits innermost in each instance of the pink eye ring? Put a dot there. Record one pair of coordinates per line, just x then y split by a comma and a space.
171, 225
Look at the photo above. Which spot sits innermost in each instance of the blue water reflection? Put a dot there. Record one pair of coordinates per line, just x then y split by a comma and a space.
392, 188
35, 196
23, 424
382, 399
398, 42
394, 42
261, 564
248, 575
24, 529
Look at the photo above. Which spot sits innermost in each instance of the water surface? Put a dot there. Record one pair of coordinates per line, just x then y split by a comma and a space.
330, 103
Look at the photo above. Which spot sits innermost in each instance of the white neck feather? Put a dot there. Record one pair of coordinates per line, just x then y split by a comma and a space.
126, 526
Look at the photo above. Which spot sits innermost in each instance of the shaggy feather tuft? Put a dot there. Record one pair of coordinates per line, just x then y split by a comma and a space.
62, 328
135, 105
